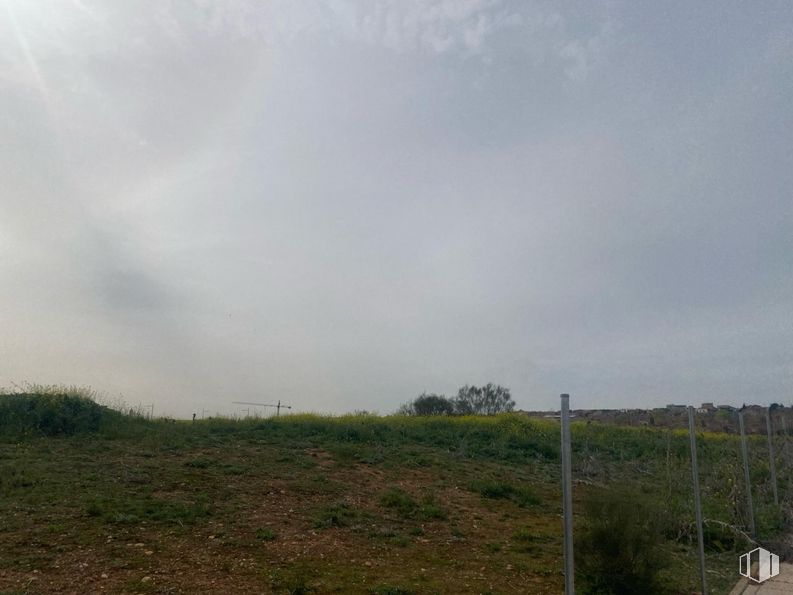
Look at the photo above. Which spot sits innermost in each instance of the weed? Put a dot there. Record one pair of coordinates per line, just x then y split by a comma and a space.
339, 514
620, 545
399, 500
93, 509
134, 510
200, 463
430, 510
265, 534
528, 541
500, 490
293, 580
390, 590
493, 547
407, 507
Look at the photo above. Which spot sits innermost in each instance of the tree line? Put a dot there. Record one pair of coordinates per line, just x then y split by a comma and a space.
470, 400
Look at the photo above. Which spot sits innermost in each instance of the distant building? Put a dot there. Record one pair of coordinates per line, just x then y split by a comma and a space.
676, 407
707, 406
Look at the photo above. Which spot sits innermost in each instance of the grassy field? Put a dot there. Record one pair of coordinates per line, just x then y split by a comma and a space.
353, 504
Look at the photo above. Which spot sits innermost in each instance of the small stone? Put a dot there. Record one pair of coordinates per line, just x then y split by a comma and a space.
367, 563
145, 579
104, 575
139, 544
211, 537
148, 552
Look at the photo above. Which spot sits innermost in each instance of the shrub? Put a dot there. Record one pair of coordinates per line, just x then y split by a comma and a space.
265, 534
200, 463
619, 548
400, 501
339, 514
500, 490
407, 507
527, 540
391, 590
50, 414
430, 510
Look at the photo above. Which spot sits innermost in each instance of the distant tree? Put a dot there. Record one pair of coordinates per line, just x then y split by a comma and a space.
483, 400
406, 409
431, 404
428, 404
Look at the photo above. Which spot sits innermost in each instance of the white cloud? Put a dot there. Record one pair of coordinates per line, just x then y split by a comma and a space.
350, 202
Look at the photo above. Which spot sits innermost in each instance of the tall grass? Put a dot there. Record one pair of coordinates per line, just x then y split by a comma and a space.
602, 454
52, 411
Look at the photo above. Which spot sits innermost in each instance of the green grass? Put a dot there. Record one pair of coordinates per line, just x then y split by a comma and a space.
501, 490
391, 590
338, 514
448, 494
409, 508
266, 534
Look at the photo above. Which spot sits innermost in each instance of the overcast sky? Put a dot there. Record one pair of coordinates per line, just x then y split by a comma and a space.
345, 203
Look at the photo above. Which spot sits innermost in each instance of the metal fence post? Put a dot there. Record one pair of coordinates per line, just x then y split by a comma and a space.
771, 461
745, 456
697, 504
567, 499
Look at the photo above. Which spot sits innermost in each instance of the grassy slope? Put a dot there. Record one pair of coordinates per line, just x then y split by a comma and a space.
347, 505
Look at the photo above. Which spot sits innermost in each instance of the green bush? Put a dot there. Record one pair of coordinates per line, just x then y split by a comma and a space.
721, 537
50, 414
527, 540
339, 514
391, 590
501, 490
407, 507
265, 534
619, 548
400, 501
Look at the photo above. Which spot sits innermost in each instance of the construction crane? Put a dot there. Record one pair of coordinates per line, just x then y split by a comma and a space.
277, 407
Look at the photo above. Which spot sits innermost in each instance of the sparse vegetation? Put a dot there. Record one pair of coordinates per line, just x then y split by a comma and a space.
522, 495
338, 514
620, 545
307, 503
406, 506
265, 534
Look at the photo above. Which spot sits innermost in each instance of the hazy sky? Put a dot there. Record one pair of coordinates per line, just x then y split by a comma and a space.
345, 203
